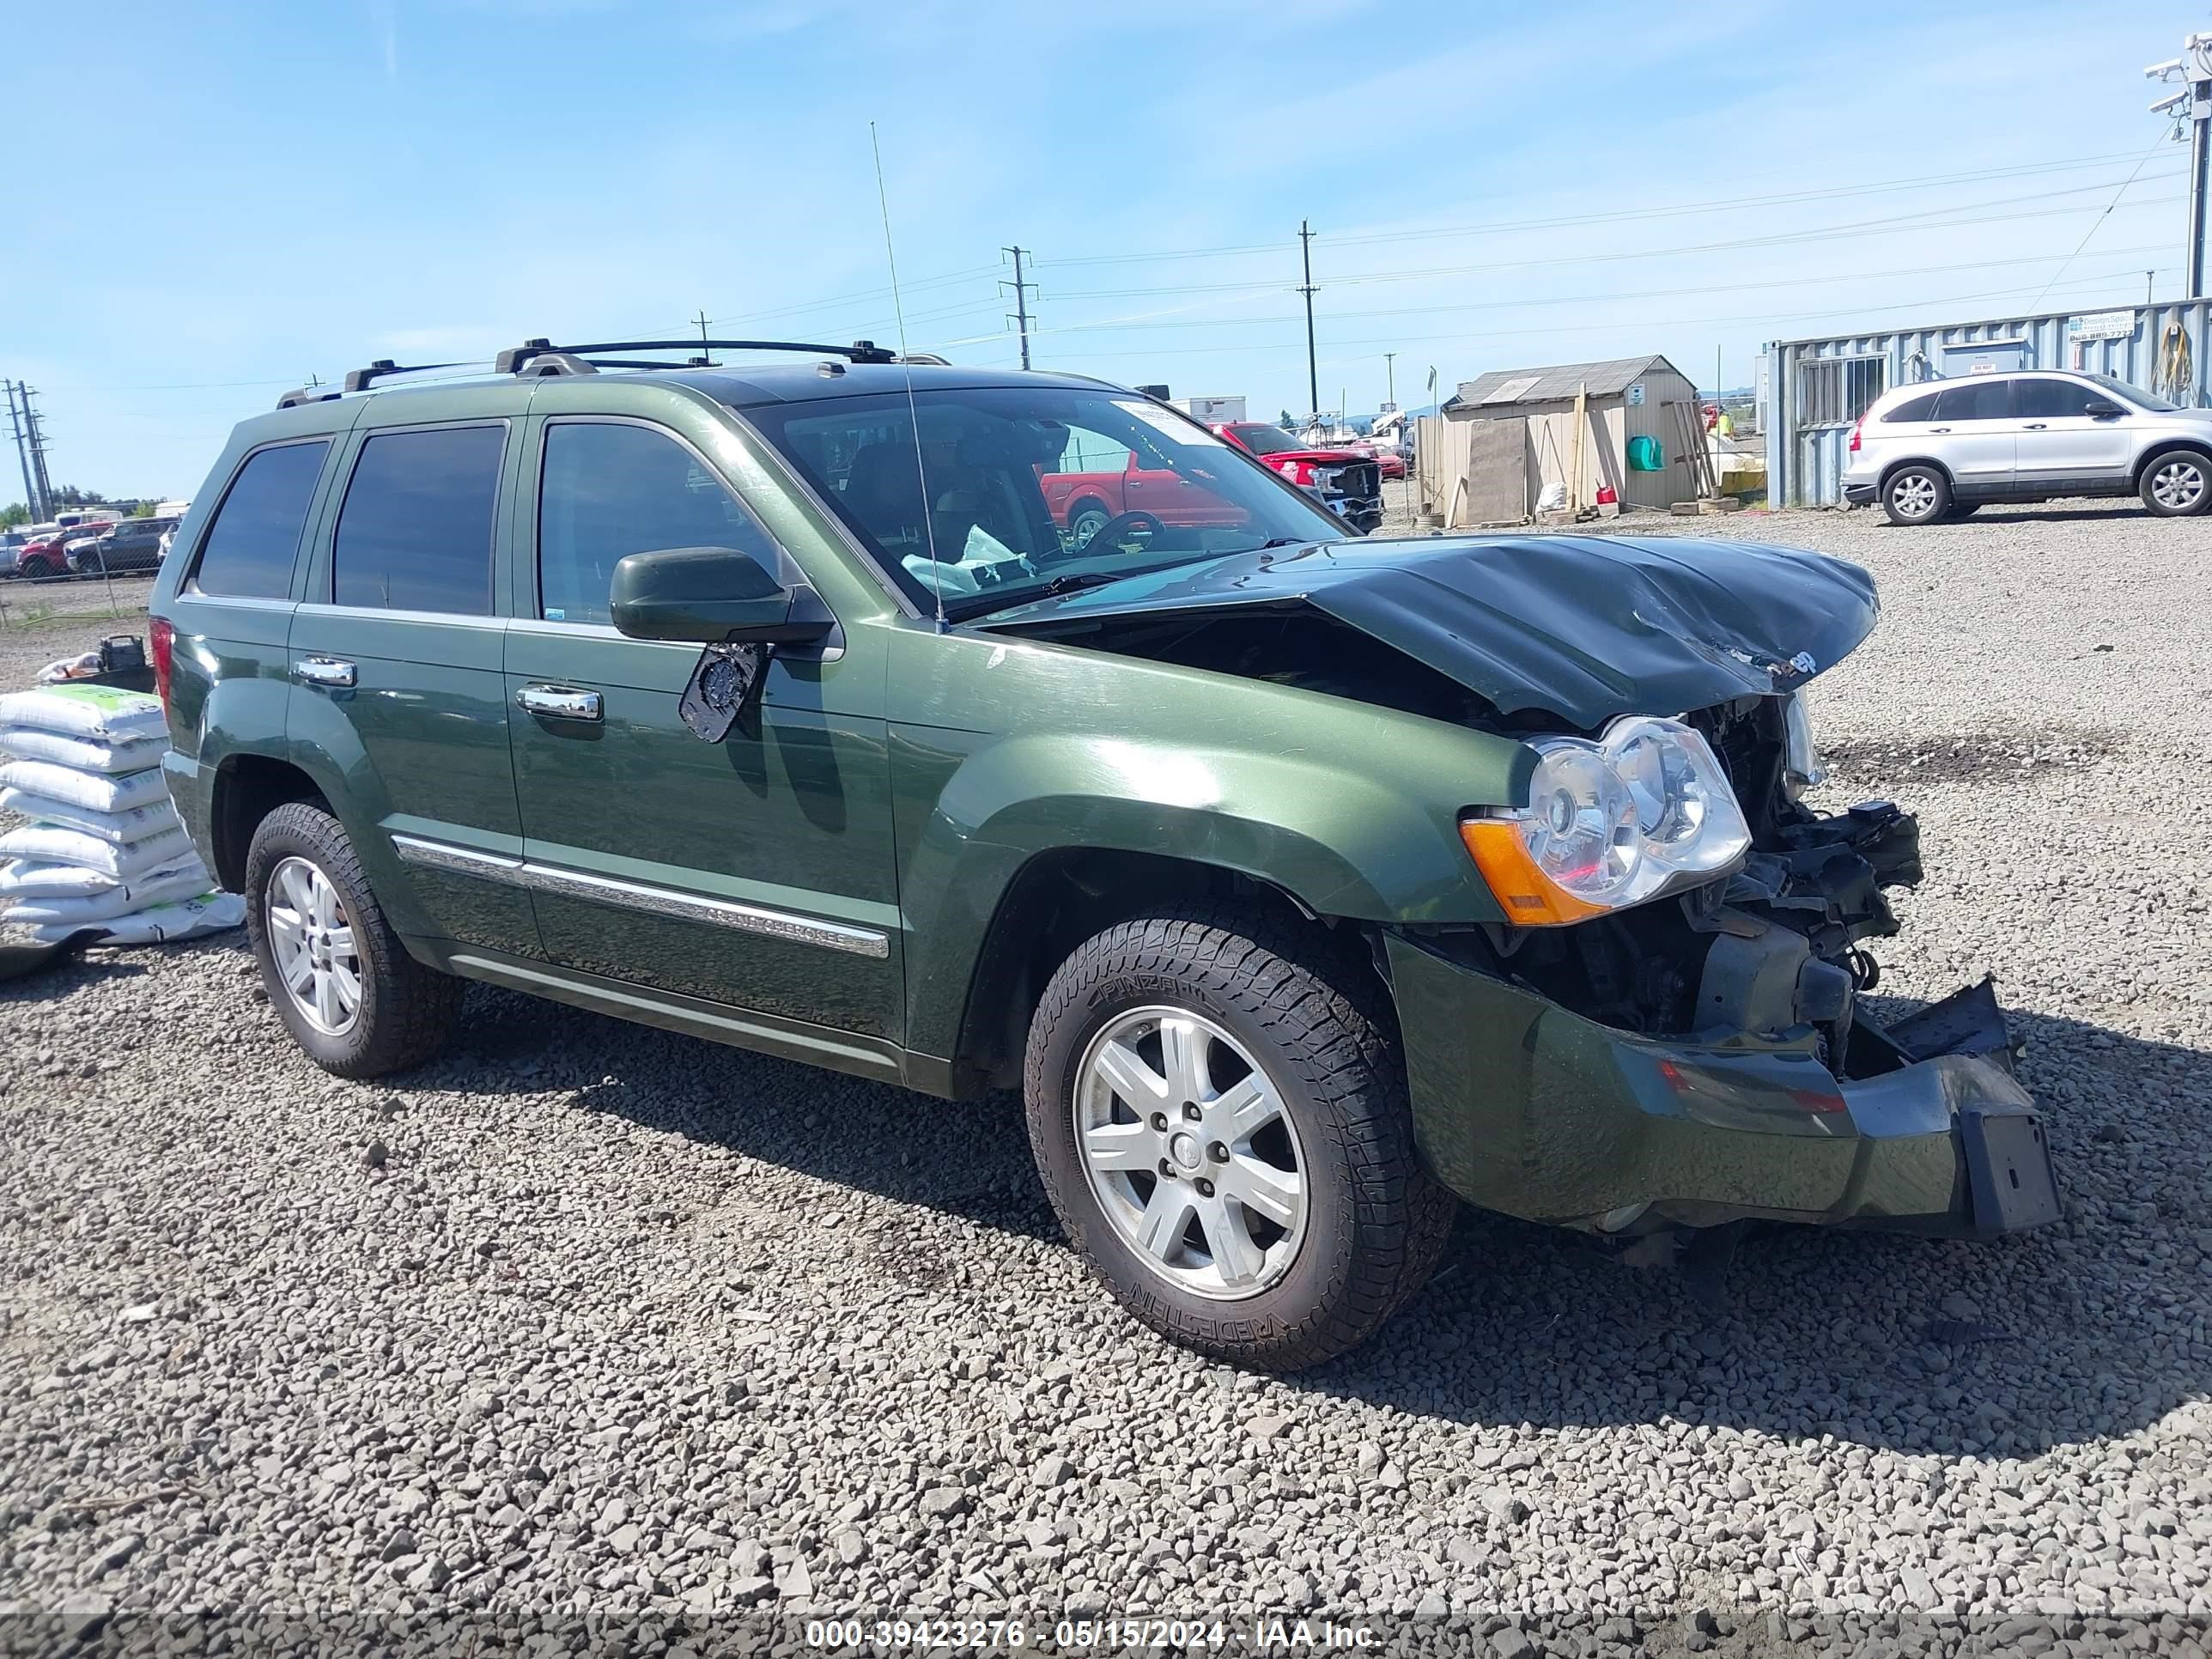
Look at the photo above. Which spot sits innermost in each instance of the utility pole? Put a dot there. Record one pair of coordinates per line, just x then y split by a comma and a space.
23, 455
2192, 103
702, 320
1313, 367
37, 454
1390, 377
1021, 288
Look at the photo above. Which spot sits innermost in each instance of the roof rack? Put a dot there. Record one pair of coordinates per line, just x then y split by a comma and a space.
357, 380
541, 356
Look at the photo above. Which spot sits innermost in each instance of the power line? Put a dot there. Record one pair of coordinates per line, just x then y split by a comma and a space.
2097, 223
1889, 225
1639, 322
1155, 321
1878, 187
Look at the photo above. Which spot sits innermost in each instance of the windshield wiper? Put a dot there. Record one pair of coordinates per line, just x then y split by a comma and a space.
1073, 582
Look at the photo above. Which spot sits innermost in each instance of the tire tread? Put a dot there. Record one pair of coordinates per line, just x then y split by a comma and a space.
1332, 1029
411, 1010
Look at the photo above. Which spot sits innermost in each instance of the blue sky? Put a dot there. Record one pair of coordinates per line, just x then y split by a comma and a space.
281, 189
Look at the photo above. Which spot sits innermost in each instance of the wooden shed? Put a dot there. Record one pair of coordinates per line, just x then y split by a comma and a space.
1510, 433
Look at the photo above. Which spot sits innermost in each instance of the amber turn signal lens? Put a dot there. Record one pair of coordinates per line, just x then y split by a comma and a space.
1527, 895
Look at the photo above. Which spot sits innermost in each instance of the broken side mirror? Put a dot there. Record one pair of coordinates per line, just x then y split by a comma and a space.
709, 596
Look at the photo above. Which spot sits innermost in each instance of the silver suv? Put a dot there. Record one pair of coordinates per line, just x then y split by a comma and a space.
1938, 450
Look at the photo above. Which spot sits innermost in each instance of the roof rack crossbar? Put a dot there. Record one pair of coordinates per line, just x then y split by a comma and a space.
356, 380
520, 358
360, 380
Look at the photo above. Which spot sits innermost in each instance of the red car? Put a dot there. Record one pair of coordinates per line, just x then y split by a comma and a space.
45, 557
1349, 483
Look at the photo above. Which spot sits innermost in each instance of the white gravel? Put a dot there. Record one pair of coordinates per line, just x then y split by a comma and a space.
591, 1324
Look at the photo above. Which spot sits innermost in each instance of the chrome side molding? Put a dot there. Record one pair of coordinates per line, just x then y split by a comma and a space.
641, 896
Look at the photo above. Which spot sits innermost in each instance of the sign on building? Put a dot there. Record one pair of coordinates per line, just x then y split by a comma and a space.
2103, 325
1635, 395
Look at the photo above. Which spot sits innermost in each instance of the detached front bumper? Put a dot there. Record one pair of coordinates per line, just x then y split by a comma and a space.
1524, 1107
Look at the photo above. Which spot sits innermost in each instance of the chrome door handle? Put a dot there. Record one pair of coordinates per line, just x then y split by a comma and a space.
1939, 428
327, 671
561, 702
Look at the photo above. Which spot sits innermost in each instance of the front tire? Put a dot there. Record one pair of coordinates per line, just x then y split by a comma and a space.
1915, 495
1219, 1118
336, 973
2177, 485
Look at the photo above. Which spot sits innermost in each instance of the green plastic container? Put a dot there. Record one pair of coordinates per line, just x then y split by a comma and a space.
1645, 455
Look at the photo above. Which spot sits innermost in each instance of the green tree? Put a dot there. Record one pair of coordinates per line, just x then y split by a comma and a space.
12, 515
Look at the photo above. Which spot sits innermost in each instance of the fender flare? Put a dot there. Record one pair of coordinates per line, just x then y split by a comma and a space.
1368, 844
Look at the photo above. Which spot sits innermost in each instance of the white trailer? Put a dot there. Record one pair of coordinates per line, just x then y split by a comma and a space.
1214, 411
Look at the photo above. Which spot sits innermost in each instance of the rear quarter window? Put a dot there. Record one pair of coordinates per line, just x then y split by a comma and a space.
248, 551
1921, 408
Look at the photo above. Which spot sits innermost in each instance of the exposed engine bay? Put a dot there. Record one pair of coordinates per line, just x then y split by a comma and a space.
1770, 951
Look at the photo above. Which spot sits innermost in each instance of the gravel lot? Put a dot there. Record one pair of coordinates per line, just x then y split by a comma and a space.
590, 1322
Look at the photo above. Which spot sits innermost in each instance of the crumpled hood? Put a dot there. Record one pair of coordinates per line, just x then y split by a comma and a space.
1584, 627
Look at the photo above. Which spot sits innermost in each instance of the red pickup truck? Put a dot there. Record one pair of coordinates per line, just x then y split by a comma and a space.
1349, 483
1093, 485
1097, 479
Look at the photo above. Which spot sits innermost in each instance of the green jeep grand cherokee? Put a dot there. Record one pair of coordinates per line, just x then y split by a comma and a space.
1304, 884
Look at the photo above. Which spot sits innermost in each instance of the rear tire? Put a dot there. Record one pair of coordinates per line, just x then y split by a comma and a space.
1086, 521
336, 973
1915, 495
1284, 1086
2178, 484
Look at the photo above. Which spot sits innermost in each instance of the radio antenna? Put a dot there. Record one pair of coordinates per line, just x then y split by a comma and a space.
913, 415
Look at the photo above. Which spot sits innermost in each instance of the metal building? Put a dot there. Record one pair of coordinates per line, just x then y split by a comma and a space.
1813, 392
1511, 432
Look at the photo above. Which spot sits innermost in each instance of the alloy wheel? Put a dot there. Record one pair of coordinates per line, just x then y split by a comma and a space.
311, 938
1913, 496
2179, 485
1191, 1153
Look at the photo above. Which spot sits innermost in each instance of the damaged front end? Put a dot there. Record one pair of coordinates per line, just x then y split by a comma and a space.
1707, 1058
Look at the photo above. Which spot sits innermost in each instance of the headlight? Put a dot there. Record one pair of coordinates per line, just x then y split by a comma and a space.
1801, 759
1644, 811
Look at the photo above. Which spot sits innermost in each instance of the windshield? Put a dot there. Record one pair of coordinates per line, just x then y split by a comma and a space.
1033, 485
2134, 394
1265, 440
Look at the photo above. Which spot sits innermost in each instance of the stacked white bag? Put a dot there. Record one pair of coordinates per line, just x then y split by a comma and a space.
104, 848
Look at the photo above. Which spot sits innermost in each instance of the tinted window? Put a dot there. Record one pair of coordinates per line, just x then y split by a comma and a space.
1921, 408
609, 491
1975, 400
414, 533
2041, 400
248, 550
1265, 440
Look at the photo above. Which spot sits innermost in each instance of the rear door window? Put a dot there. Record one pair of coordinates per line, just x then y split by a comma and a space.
248, 550
416, 531
1975, 400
